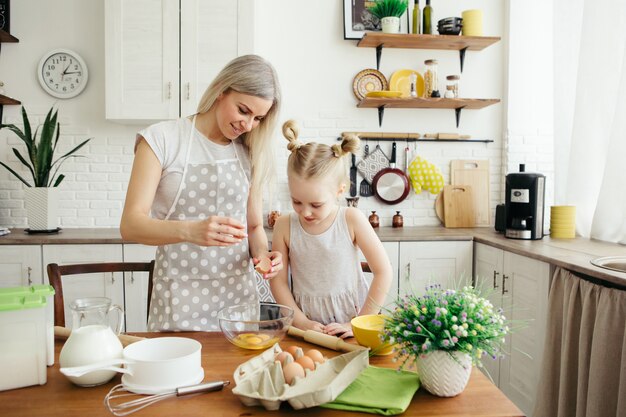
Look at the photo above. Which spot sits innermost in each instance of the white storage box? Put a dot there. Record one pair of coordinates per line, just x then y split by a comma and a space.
26, 335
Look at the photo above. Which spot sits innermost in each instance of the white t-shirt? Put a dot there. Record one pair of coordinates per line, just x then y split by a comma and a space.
169, 141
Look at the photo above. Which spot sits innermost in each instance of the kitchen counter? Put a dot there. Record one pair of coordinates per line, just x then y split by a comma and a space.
59, 397
572, 254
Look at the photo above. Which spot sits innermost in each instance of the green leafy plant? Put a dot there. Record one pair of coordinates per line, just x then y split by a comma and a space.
385, 8
41, 163
449, 320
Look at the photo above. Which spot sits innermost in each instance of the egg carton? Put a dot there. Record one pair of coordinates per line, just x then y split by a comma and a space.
260, 380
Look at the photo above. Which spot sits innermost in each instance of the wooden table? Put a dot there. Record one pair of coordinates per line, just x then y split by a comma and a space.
59, 397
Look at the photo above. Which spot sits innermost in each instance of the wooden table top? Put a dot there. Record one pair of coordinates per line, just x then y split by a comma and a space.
59, 397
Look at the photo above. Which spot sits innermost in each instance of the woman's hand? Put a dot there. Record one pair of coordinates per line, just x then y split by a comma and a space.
277, 264
342, 330
216, 231
310, 325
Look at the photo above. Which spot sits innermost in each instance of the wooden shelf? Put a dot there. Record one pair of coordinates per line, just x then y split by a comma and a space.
457, 104
8, 100
427, 103
409, 41
7, 37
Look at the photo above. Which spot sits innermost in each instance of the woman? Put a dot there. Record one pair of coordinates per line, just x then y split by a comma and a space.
196, 191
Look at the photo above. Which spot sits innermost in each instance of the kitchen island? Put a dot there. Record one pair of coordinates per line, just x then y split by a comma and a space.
59, 397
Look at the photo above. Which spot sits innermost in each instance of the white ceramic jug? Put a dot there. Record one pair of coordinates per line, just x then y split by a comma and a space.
92, 339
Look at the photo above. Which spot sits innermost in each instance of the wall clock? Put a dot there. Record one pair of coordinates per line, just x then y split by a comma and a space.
62, 73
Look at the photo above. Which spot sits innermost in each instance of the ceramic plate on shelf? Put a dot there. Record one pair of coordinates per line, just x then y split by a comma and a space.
369, 80
385, 94
401, 81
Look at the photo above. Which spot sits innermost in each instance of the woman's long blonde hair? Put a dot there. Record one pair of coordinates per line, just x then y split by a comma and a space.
251, 75
318, 160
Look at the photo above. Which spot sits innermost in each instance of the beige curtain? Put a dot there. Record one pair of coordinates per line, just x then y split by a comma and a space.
584, 365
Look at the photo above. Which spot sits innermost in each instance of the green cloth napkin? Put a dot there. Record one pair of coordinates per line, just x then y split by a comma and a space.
378, 391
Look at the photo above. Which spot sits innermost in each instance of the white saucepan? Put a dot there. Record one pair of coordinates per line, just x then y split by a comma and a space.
153, 366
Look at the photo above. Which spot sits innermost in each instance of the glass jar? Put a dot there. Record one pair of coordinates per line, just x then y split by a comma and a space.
397, 220
430, 78
273, 215
453, 84
374, 220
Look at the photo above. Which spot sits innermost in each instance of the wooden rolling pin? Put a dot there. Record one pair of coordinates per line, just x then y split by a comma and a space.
325, 340
64, 333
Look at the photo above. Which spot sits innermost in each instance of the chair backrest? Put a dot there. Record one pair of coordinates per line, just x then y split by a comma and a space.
365, 267
55, 272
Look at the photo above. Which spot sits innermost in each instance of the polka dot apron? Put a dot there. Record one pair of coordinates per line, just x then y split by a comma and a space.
192, 283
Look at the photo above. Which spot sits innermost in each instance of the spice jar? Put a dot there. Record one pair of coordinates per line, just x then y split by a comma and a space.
374, 220
397, 221
430, 78
272, 216
453, 84
449, 92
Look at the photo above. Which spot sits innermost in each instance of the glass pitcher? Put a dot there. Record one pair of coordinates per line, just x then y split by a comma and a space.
92, 339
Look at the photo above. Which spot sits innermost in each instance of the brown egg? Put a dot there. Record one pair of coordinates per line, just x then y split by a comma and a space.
316, 355
293, 350
306, 362
291, 371
284, 358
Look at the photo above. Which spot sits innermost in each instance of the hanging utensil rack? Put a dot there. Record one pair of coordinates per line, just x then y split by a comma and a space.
405, 137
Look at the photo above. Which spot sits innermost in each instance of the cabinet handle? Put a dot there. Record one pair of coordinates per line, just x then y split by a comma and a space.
132, 277
112, 278
188, 90
408, 272
29, 270
169, 90
504, 278
495, 274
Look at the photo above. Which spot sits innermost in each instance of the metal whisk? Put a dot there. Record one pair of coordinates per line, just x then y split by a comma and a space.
128, 407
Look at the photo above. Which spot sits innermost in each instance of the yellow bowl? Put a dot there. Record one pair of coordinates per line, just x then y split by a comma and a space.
367, 330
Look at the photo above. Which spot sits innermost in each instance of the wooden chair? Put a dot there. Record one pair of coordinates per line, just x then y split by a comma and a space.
55, 272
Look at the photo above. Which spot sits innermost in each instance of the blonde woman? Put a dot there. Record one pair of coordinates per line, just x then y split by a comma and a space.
321, 241
195, 192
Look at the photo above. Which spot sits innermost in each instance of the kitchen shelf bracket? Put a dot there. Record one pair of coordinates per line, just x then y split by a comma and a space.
457, 114
381, 114
379, 52
462, 56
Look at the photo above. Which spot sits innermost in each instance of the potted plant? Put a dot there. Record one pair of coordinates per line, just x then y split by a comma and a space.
443, 333
389, 12
41, 196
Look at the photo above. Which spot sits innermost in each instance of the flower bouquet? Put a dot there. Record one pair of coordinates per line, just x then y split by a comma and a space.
445, 329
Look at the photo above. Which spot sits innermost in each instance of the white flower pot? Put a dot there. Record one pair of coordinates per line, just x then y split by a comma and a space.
443, 375
42, 207
390, 24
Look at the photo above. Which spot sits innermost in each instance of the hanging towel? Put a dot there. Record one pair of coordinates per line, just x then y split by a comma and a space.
372, 163
425, 176
377, 390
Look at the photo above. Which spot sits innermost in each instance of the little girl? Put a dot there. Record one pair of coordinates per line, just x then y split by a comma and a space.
321, 242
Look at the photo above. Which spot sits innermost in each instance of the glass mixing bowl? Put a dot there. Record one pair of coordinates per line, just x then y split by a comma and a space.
255, 326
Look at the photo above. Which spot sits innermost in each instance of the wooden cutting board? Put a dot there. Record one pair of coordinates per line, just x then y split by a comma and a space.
458, 206
474, 173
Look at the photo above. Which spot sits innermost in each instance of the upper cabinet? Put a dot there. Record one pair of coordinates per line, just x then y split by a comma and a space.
162, 54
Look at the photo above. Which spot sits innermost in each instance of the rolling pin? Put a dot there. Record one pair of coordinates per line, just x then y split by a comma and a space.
64, 333
325, 340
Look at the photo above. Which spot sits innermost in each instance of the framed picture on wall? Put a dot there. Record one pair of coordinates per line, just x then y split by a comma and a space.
357, 20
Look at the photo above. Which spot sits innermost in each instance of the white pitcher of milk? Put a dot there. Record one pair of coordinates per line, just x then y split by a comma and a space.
92, 339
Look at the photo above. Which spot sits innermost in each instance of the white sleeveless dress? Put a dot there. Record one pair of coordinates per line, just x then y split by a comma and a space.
327, 281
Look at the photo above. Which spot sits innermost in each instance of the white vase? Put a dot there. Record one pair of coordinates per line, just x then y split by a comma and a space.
42, 207
444, 375
390, 24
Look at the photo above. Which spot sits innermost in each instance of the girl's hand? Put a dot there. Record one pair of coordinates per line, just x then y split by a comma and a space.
310, 325
216, 231
342, 330
277, 264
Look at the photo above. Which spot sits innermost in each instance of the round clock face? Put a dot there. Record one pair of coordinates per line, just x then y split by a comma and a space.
62, 73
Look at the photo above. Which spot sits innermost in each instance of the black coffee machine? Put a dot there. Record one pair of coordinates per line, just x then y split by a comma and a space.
524, 204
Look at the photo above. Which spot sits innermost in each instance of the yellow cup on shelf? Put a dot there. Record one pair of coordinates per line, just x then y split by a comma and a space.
472, 22
563, 222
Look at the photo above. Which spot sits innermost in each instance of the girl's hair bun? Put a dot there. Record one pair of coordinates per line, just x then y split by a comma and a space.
290, 132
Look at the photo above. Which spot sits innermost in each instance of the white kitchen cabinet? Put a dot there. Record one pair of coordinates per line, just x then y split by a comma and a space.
392, 249
162, 54
109, 284
20, 265
520, 286
447, 263
136, 287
